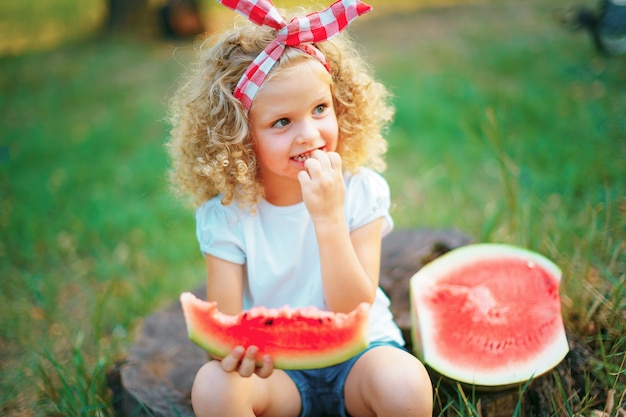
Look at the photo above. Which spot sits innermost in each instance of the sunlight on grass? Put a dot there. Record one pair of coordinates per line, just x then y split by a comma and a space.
35, 25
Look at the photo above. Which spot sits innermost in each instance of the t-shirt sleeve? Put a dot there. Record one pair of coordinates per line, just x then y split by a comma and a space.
219, 233
368, 199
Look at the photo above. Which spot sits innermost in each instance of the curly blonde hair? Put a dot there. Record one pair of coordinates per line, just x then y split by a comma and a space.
211, 147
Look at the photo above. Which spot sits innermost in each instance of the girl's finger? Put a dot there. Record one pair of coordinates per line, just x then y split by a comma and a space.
303, 177
335, 160
266, 368
248, 363
313, 167
231, 361
321, 157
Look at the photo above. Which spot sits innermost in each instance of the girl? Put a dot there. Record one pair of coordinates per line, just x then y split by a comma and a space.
276, 134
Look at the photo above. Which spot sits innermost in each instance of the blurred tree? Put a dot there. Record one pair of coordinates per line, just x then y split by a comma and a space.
174, 18
181, 18
124, 13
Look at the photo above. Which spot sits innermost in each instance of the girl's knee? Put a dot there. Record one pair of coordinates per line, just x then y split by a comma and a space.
213, 390
407, 390
208, 376
398, 384
205, 389
415, 391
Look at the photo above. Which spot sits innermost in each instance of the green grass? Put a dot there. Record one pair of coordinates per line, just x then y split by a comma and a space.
29, 24
91, 239
508, 128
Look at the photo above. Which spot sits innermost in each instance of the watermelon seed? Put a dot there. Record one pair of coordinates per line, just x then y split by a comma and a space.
269, 322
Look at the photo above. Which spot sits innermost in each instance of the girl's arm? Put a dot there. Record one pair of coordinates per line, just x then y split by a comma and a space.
225, 286
350, 262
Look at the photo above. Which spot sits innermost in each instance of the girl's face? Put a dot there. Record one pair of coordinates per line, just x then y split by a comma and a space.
291, 116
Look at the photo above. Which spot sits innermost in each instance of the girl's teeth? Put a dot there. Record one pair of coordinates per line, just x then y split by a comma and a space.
303, 157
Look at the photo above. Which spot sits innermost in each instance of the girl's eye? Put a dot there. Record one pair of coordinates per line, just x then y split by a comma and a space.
281, 123
319, 109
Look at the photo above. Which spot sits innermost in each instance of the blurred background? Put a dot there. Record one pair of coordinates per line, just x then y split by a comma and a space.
510, 126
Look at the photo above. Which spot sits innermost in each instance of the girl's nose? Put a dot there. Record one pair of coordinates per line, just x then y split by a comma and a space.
307, 131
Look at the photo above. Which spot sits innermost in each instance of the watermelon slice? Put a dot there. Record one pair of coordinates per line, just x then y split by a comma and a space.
304, 338
488, 315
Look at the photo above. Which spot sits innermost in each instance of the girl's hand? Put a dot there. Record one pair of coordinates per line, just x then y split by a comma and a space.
243, 362
323, 189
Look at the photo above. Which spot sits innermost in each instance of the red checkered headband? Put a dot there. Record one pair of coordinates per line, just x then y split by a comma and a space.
299, 33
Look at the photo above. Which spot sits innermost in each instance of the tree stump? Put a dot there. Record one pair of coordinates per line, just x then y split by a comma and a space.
157, 376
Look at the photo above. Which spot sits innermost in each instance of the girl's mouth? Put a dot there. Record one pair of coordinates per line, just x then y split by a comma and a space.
304, 156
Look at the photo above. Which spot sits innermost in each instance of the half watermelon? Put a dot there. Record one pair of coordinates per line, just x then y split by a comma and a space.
303, 338
488, 315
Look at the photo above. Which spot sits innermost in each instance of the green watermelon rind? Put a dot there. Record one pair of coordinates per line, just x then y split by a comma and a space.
287, 359
507, 376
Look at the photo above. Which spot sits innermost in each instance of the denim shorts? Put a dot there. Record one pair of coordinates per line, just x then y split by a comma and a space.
321, 389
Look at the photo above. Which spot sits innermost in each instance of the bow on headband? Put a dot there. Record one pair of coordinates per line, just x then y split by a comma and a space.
298, 33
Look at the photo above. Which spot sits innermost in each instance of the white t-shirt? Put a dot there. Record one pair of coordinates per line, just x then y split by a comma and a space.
279, 248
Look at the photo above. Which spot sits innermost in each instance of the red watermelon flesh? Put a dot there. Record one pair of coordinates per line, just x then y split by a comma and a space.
303, 338
488, 315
